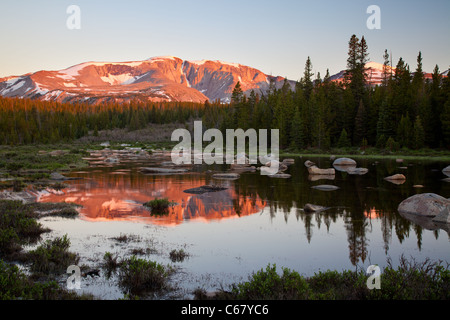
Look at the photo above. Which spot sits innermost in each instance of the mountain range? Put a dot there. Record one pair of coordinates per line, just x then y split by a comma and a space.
156, 79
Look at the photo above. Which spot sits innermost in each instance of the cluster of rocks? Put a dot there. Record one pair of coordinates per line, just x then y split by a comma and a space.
349, 165
108, 156
282, 167
242, 164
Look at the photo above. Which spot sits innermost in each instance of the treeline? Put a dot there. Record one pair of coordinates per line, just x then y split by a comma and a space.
406, 110
24, 121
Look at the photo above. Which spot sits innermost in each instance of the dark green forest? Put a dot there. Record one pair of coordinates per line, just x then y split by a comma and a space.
405, 111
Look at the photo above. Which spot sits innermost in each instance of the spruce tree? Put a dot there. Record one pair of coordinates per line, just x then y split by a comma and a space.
386, 69
343, 141
307, 82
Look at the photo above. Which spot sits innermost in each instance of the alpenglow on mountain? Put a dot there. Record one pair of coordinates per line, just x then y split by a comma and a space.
155, 79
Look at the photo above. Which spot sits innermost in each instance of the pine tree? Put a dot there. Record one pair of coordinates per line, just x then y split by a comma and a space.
237, 94
307, 82
386, 69
343, 141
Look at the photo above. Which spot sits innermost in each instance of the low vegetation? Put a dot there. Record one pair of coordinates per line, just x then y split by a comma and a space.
178, 255
18, 226
52, 256
139, 276
15, 285
409, 281
159, 206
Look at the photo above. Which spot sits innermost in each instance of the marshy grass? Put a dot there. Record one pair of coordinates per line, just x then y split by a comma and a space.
59, 209
126, 238
53, 256
15, 285
140, 277
159, 207
178, 255
18, 226
411, 280
110, 263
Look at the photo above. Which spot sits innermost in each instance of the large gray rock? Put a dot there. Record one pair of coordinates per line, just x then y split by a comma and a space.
424, 204
344, 162
443, 216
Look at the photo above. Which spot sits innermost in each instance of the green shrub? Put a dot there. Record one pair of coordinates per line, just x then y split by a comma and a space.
178, 255
159, 206
52, 256
139, 276
18, 225
14, 285
410, 281
267, 284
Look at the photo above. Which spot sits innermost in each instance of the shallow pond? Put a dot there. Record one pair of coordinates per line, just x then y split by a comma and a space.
256, 221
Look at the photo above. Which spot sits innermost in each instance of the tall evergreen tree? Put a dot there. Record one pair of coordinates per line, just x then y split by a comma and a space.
386, 69
307, 79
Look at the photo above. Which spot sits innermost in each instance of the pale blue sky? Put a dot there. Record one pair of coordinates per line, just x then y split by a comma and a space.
273, 36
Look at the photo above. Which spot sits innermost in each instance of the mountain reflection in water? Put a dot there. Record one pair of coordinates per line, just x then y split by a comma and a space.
119, 195
361, 222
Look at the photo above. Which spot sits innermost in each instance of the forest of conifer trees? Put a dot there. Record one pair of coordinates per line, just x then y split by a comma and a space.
405, 111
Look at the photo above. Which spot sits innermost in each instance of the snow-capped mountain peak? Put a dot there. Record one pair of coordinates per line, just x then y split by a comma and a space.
162, 78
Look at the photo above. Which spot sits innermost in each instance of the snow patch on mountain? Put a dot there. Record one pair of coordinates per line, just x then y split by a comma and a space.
118, 79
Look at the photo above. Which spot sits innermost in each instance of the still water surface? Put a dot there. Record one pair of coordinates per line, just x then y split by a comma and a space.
257, 221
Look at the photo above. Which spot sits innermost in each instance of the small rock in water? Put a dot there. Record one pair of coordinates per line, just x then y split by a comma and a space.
280, 175
231, 176
357, 171
315, 170
313, 208
325, 187
309, 164
396, 177
344, 162
205, 189
162, 170
57, 176
288, 161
